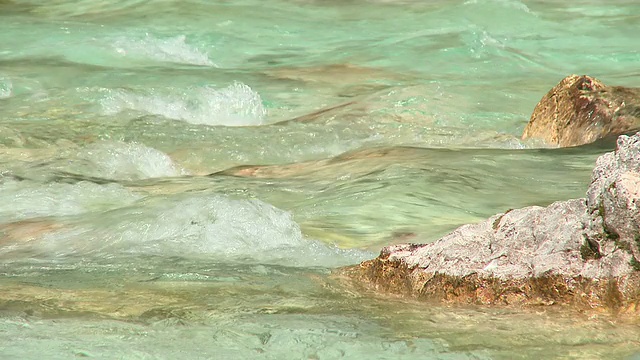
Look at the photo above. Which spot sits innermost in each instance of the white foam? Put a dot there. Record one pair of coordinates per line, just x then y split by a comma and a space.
214, 227
128, 161
235, 105
174, 50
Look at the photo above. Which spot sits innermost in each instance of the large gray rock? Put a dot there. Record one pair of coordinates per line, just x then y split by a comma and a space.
518, 244
581, 251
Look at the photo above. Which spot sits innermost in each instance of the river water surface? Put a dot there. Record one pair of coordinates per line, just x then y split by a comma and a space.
179, 178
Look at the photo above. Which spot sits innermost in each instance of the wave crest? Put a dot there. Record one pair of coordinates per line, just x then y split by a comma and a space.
235, 105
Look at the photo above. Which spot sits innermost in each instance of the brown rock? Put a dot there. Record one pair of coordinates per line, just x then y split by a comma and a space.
387, 274
581, 109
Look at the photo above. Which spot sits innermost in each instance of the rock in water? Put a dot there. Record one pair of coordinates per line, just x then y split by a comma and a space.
582, 252
581, 109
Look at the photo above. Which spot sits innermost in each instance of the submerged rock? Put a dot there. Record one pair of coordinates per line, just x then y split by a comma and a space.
582, 252
581, 109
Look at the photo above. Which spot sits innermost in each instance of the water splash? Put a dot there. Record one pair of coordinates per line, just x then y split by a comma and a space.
235, 105
126, 161
213, 226
173, 50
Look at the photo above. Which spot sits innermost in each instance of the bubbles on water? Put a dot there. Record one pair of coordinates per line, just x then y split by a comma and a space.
235, 105
174, 50
482, 44
6, 87
128, 161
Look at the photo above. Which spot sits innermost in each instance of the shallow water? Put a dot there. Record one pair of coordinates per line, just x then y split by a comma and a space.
179, 178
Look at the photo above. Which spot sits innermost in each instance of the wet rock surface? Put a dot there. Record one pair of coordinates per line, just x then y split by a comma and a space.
581, 252
581, 109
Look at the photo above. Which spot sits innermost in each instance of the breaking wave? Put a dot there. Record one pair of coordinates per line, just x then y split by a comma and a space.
235, 105
174, 50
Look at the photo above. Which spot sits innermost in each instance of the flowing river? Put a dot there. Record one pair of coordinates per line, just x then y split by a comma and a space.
178, 179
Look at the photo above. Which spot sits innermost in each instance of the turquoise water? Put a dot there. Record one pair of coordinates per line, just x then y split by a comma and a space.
179, 178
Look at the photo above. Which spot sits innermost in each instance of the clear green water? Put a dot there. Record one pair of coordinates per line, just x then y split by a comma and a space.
133, 226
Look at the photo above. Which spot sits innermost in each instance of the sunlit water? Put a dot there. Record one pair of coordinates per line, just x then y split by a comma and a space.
179, 178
